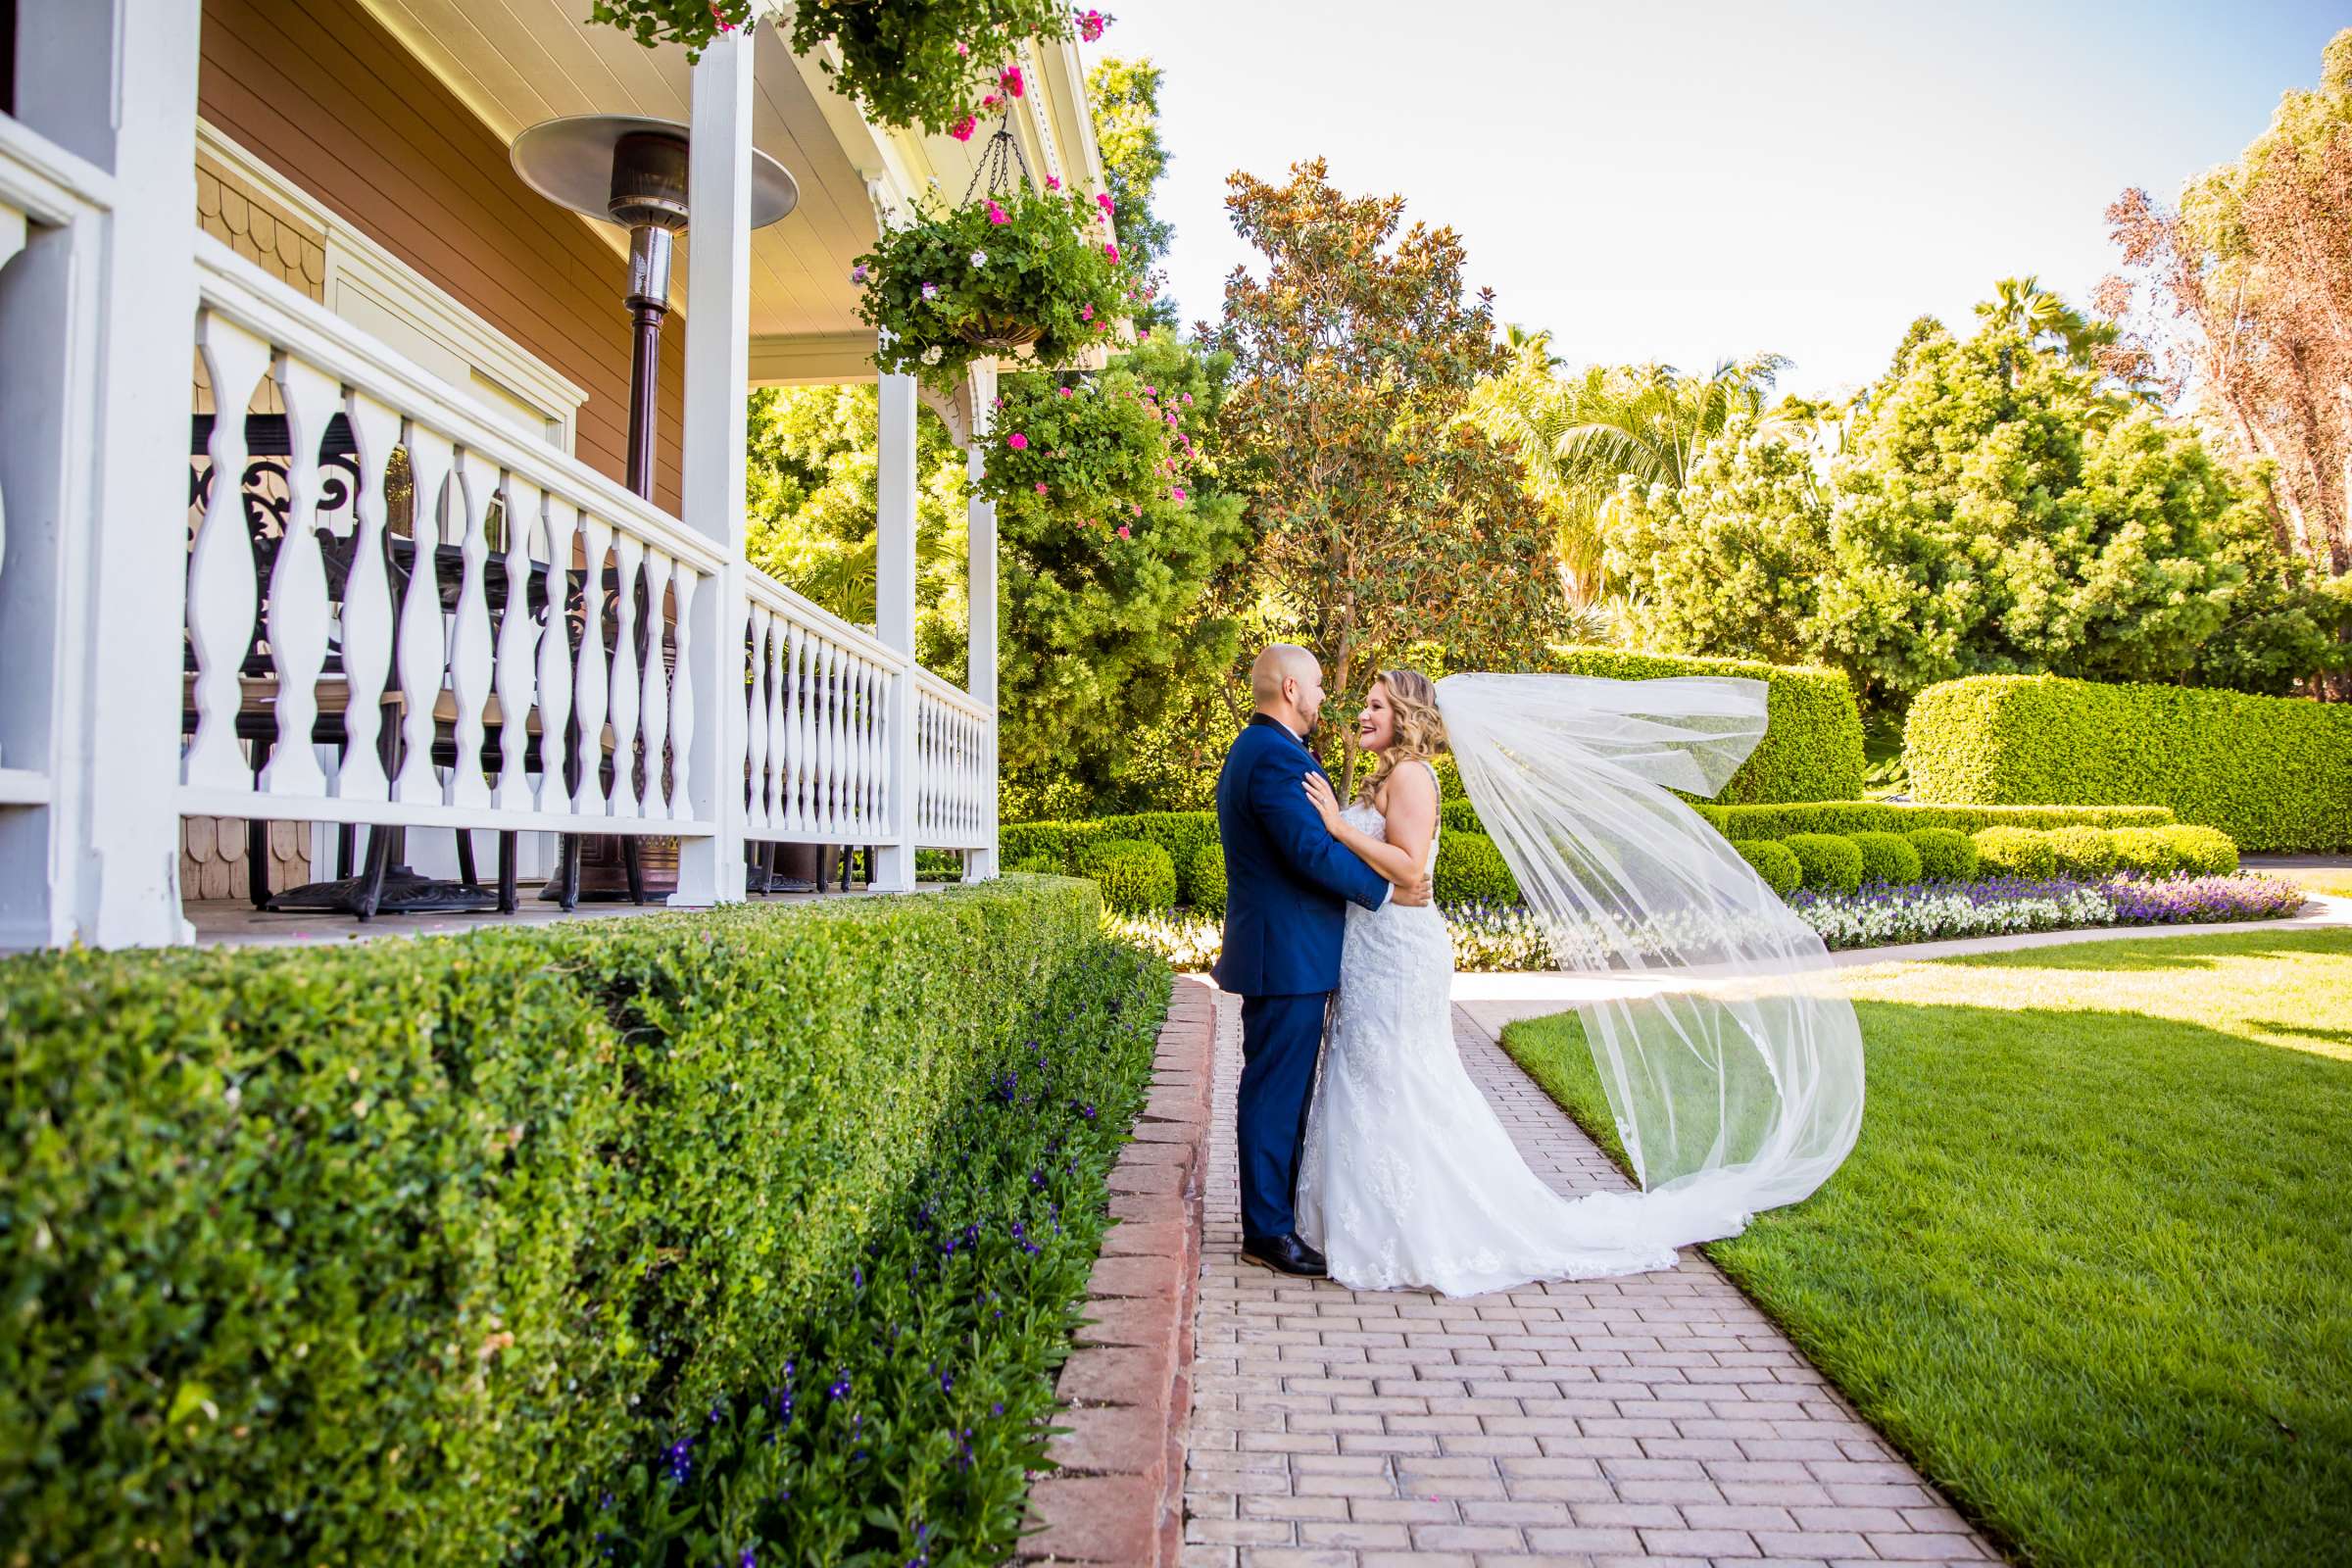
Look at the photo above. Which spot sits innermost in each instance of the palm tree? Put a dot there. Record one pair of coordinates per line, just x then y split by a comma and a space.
1588, 435
2020, 305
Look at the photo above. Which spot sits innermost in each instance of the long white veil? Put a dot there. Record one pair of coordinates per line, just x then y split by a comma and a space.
1733, 1072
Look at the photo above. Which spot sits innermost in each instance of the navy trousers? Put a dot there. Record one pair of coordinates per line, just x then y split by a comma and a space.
1281, 1038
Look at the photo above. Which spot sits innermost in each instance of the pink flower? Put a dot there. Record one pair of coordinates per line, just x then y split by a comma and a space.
1086, 313
930, 291
1188, 400
1177, 492
1150, 391
1123, 533
1041, 487
962, 129
1091, 24
991, 101
1017, 441
1011, 79
1064, 391
1103, 201
721, 16
995, 214
1110, 250
1139, 508
963, 49
1052, 183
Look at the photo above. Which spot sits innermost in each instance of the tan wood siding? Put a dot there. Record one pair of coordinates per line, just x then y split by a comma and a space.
321, 93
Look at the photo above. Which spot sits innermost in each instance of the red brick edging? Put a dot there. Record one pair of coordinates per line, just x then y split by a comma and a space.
1118, 1497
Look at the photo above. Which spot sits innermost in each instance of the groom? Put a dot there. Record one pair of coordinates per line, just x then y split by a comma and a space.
1286, 884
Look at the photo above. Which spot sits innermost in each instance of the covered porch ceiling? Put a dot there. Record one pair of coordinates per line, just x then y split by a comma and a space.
518, 62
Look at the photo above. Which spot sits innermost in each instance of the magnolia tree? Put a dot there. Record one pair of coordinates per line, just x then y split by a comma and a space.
1998, 505
1385, 517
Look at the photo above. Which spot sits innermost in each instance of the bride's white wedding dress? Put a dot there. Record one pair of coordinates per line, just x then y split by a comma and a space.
1407, 1177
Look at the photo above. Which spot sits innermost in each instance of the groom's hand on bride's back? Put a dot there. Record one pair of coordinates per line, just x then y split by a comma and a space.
1413, 894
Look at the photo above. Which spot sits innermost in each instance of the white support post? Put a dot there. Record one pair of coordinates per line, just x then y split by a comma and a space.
718, 347
116, 84
894, 624
980, 593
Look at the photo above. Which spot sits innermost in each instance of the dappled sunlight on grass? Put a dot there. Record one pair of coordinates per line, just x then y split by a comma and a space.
2241, 982
2090, 1263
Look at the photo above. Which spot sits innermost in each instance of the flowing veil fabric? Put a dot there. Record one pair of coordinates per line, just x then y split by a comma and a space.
1733, 1072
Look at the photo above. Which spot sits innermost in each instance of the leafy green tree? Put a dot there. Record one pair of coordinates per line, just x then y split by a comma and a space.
1588, 434
1998, 507
812, 504
1113, 523
1385, 516
1124, 95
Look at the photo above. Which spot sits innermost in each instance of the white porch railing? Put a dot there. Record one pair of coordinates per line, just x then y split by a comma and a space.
420, 620
394, 611
955, 808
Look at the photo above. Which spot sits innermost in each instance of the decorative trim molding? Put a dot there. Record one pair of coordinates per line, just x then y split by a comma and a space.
366, 283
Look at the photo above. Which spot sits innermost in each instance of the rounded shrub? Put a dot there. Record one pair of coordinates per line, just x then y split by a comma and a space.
2145, 851
2203, 851
1946, 854
1830, 862
1207, 877
1887, 857
1136, 877
2088, 853
1773, 863
2015, 851
1036, 866
1471, 871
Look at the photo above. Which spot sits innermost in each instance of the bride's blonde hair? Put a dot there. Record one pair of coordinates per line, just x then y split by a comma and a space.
1420, 730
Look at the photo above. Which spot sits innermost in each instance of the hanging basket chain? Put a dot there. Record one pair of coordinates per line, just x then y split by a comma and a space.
998, 160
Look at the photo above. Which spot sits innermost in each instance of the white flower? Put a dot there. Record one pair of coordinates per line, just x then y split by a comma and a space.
979, 258
931, 354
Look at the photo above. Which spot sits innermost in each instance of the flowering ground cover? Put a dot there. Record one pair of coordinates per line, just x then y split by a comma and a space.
906, 1423
2089, 1267
1491, 938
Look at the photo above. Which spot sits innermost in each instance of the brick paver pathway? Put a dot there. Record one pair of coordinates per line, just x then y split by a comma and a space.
1654, 1419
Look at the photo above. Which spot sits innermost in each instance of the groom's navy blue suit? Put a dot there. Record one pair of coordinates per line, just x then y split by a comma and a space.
1286, 884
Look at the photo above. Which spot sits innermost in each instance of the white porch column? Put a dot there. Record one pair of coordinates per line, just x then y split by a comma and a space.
894, 622
718, 295
117, 84
980, 593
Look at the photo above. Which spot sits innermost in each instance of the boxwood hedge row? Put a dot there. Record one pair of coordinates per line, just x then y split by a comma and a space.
2273, 772
386, 1253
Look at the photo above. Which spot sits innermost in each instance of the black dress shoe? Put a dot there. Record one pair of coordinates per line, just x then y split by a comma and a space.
1284, 1254
1314, 1257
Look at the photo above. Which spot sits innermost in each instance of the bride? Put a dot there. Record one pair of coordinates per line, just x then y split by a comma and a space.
1736, 1083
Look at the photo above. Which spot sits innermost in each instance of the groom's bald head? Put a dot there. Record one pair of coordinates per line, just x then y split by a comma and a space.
1286, 683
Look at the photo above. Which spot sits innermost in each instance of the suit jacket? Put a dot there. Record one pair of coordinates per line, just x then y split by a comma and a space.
1287, 880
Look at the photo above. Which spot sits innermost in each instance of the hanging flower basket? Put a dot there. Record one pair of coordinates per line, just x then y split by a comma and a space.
1031, 268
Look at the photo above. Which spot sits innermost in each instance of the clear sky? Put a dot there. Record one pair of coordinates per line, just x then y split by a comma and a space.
1685, 181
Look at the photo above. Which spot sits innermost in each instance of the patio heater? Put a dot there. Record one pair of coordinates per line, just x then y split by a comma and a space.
631, 171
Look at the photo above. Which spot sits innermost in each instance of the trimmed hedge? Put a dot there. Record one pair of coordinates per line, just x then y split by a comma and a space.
2273, 772
2145, 851
1470, 870
1887, 857
2015, 851
1207, 879
1054, 843
1944, 854
1812, 745
390, 1253
1831, 864
2203, 851
1774, 862
1136, 877
1180, 833
2088, 853
1880, 816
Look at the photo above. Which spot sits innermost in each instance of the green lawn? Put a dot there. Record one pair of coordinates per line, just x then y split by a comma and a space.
2090, 1264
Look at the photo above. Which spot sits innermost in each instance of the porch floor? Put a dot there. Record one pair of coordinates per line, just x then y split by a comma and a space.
236, 923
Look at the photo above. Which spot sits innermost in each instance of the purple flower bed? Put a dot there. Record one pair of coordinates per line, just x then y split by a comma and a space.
2190, 901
